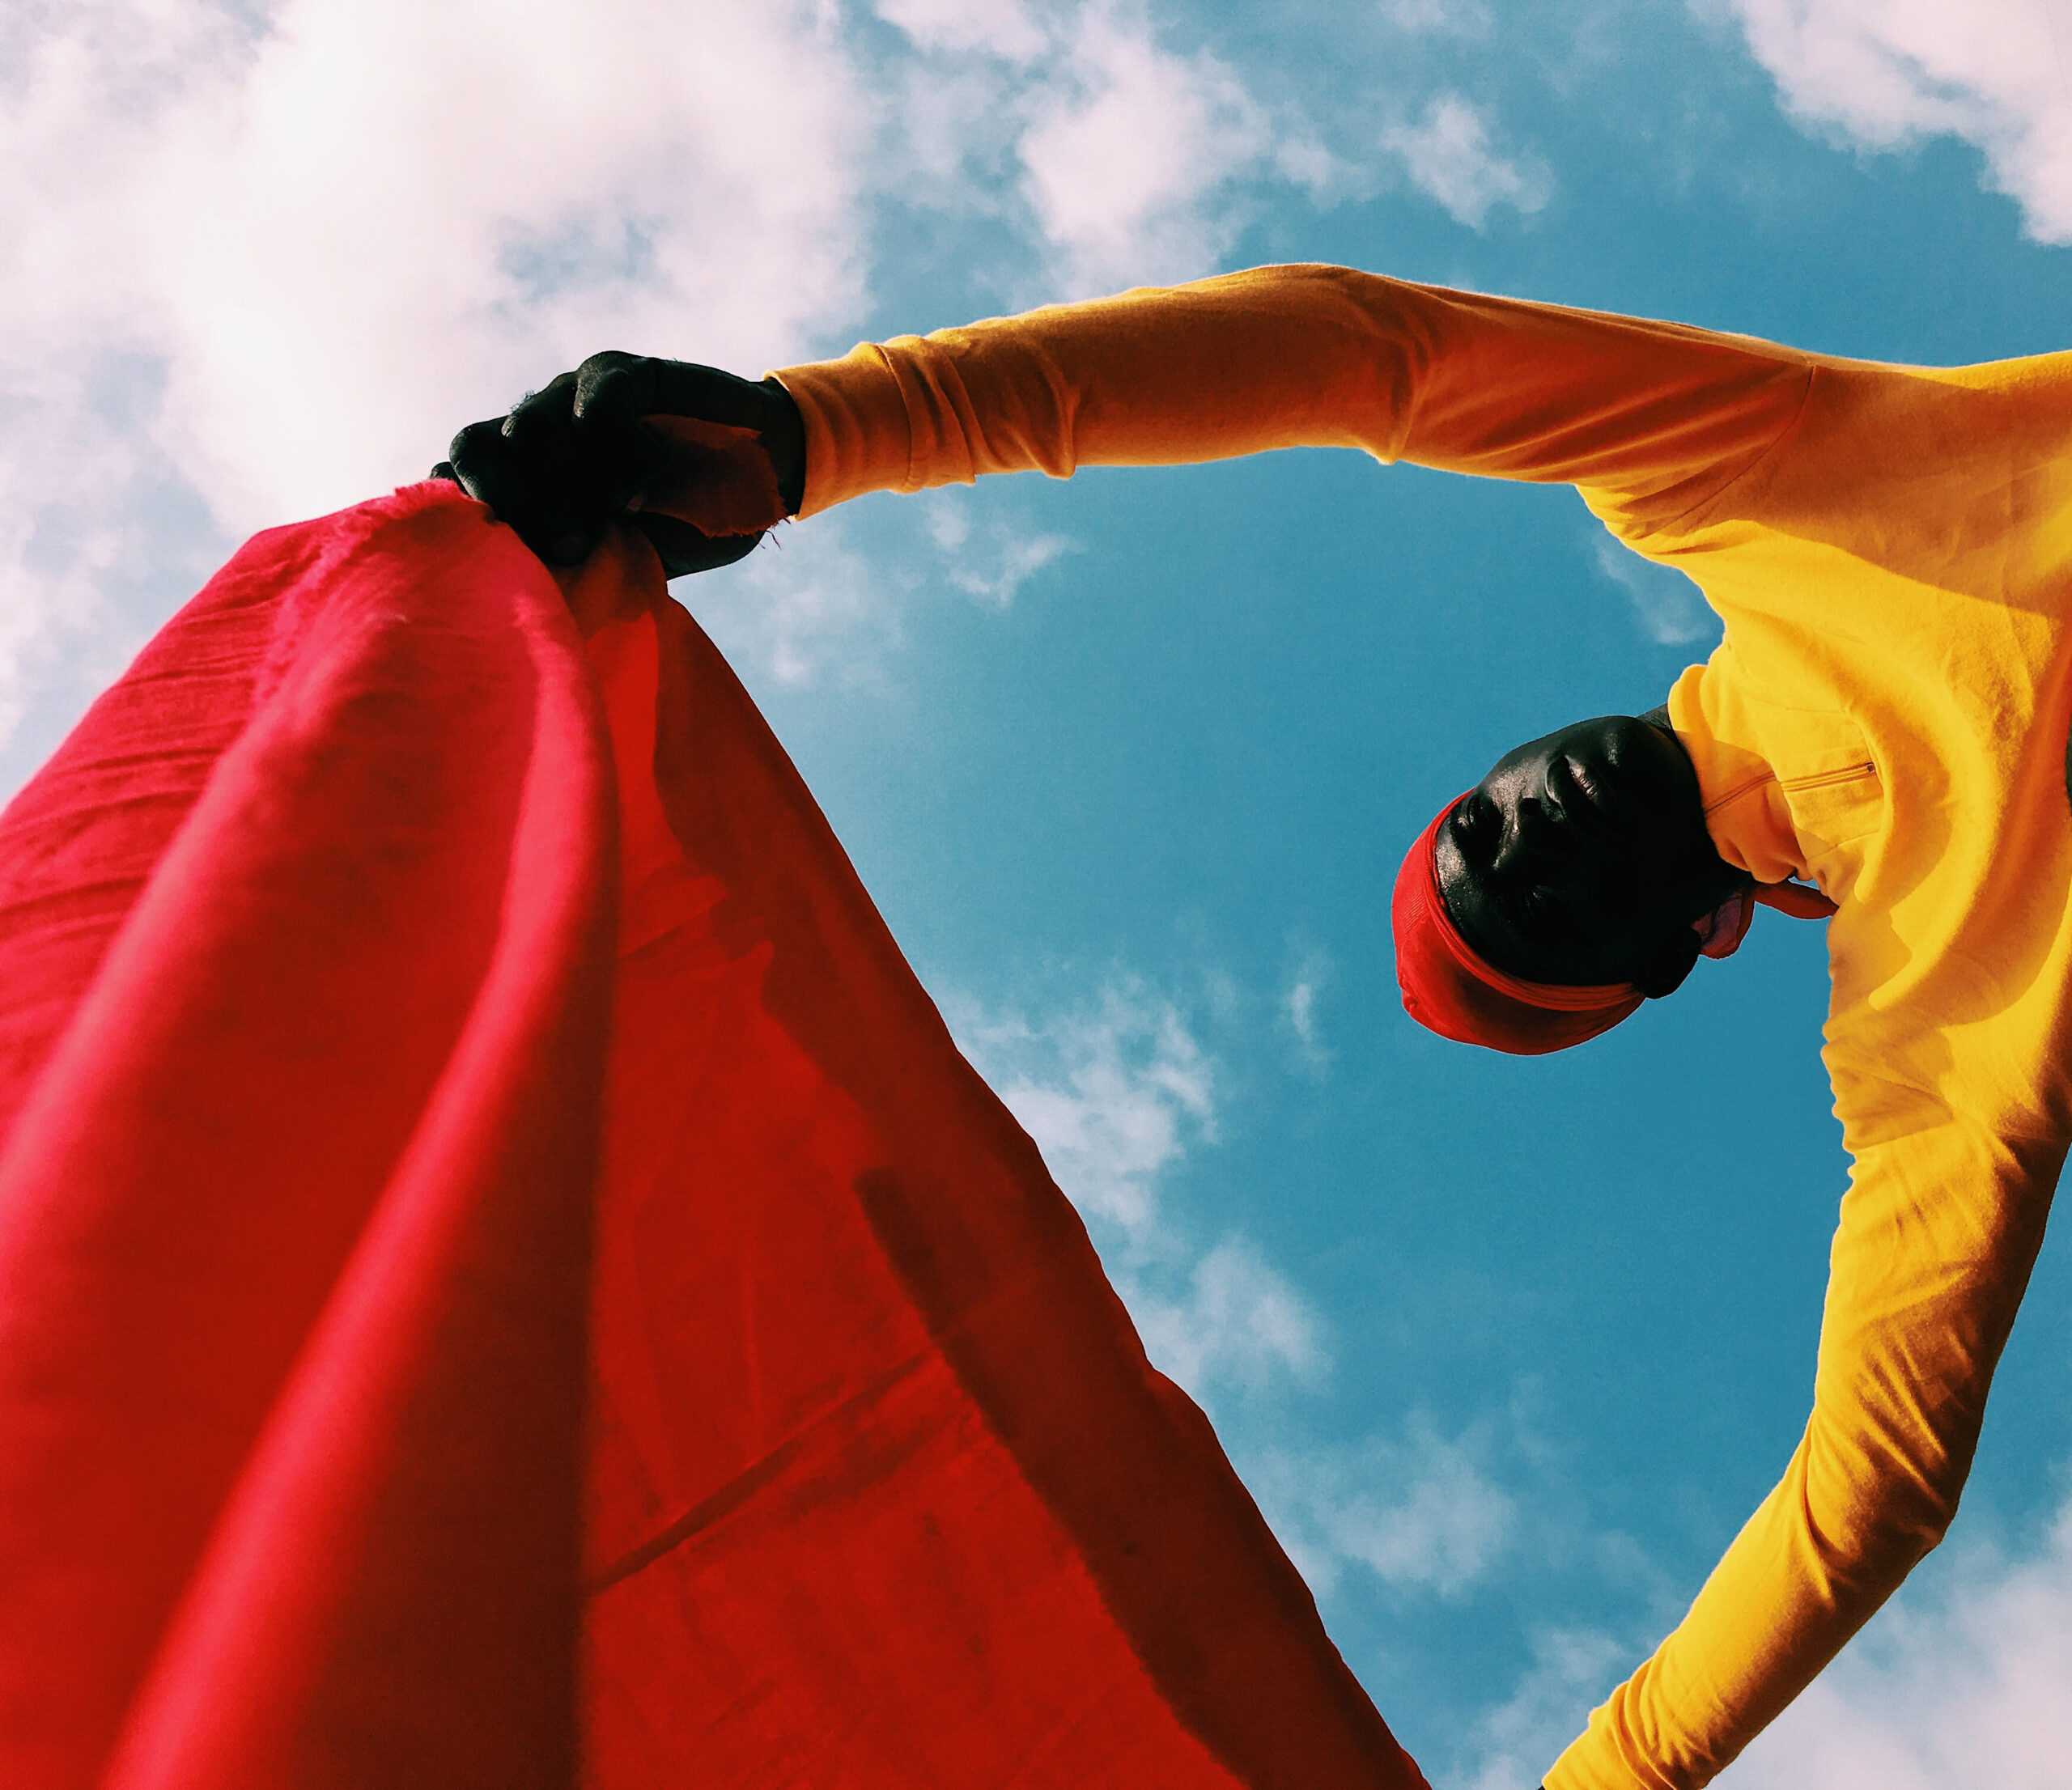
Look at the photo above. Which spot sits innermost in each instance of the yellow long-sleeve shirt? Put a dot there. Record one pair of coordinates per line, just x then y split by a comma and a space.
1890, 548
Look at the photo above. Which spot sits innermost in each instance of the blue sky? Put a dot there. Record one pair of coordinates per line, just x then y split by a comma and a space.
1507, 1350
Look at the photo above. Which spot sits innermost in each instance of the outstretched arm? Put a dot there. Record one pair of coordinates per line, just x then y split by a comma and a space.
1939, 1232
1650, 419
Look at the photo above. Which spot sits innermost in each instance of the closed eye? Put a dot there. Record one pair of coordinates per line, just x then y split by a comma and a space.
1461, 826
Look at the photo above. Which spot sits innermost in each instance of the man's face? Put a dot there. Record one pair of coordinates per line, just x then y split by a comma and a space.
1582, 858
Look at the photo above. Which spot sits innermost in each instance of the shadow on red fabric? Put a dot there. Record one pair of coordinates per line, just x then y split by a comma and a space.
505, 1279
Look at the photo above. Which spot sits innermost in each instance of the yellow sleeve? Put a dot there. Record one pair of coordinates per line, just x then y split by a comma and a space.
1939, 1232
1651, 419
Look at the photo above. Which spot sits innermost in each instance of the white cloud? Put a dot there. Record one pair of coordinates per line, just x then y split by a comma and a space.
269, 258
1017, 562
1449, 18
308, 249
1449, 153
807, 607
1302, 1012
1966, 1687
1128, 152
1238, 1323
1114, 1092
54, 606
1135, 163
1443, 1531
954, 152
950, 522
1668, 607
996, 28
1302, 159
1960, 1680
991, 563
1571, 1671
1312, 976
1423, 1512
1889, 72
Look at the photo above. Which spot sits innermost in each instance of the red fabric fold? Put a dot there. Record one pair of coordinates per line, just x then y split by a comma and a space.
505, 1279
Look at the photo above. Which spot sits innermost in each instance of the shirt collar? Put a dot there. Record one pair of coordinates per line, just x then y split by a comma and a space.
1745, 812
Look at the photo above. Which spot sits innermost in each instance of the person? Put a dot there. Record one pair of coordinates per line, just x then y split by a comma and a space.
1879, 738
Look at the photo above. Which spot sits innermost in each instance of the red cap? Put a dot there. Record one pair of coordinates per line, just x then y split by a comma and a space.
1448, 989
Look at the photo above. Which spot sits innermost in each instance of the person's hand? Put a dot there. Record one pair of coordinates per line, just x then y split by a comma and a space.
656, 443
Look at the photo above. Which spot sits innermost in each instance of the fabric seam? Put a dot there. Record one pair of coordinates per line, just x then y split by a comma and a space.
1783, 435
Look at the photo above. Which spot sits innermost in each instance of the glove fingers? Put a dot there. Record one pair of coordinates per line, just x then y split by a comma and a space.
681, 549
570, 457
619, 387
541, 415
546, 500
604, 470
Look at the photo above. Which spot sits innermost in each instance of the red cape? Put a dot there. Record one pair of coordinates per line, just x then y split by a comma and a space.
505, 1280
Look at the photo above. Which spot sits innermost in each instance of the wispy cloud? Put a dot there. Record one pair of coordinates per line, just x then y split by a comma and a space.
1123, 157
1005, 28
1423, 1510
990, 561
1889, 72
1451, 153
1119, 1091
1450, 17
1128, 150
1966, 1687
1302, 159
1236, 1323
266, 264
1115, 1090
1668, 606
409, 224
809, 607
1960, 1680
1571, 1670
1300, 1002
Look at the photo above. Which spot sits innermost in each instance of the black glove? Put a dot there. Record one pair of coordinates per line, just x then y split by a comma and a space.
570, 457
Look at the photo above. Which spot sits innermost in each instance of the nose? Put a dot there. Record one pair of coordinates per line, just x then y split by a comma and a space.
1552, 839
1530, 828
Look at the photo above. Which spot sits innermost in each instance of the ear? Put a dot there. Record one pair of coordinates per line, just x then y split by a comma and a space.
1663, 974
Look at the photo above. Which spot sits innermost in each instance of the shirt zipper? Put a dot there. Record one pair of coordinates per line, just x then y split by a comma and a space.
1812, 782
1819, 778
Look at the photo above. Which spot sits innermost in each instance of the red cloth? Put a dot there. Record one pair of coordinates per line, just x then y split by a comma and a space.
504, 1279
1448, 987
